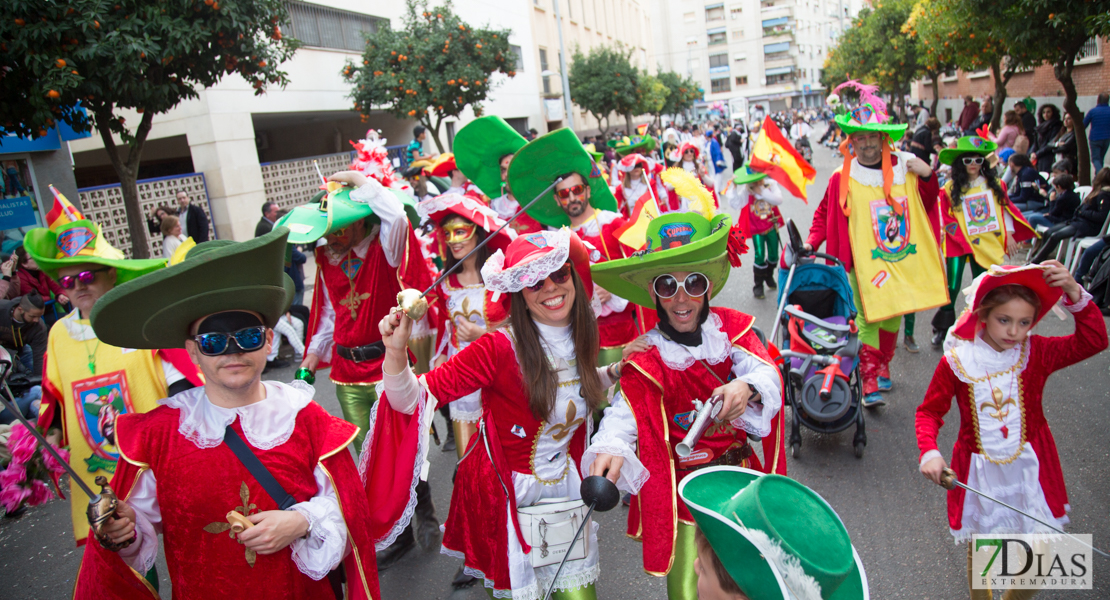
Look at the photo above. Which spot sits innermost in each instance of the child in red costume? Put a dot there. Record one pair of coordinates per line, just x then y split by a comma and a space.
996, 371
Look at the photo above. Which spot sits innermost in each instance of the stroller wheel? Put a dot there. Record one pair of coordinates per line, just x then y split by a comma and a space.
859, 450
795, 449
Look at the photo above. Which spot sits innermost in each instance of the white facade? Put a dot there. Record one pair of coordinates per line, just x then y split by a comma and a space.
769, 52
228, 131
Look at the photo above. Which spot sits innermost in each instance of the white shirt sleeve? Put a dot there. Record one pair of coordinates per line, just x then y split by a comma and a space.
617, 436
325, 332
765, 379
771, 193
171, 373
403, 390
141, 554
1009, 221
326, 544
395, 223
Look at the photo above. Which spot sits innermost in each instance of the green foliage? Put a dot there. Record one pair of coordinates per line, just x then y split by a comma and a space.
604, 82
876, 49
684, 92
433, 68
135, 54
653, 96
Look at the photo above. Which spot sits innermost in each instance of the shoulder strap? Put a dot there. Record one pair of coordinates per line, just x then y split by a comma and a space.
258, 470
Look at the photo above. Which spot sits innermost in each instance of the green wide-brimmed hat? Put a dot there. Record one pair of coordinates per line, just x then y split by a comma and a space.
745, 175
684, 241
969, 144
156, 311
332, 210
778, 539
479, 148
82, 242
547, 158
627, 145
866, 117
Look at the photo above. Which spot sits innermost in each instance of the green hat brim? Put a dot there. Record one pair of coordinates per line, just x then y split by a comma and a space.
41, 245
708, 494
745, 175
308, 223
479, 148
647, 144
544, 159
893, 130
964, 146
631, 278
156, 311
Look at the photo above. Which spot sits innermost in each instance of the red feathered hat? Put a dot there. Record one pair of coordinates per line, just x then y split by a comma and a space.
1030, 276
442, 166
688, 146
446, 205
530, 258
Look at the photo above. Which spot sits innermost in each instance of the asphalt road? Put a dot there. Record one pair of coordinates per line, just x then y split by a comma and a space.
895, 517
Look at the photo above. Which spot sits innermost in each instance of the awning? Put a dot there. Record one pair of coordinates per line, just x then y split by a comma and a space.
779, 47
773, 22
779, 70
716, 30
712, 6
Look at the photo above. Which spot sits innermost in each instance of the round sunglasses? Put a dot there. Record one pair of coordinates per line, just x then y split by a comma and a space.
666, 286
216, 343
84, 277
560, 276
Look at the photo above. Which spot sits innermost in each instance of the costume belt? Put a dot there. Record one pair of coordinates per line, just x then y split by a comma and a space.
734, 457
362, 353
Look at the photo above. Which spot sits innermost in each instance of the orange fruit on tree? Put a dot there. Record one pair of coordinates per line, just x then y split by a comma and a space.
53, 94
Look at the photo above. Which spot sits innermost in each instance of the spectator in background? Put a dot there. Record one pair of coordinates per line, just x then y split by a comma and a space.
1025, 193
1061, 203
532, 134
1064, 146
31, 278
21, 325
1011, 128
1087, 222
735, 145
1065, 165
923, 144
171, 236
1024, 109
193, 219
986, 111
9, 281
154, 221
968, 115
269, 217
1041, 152
415, 150
1098, 119
720, 169
922, 114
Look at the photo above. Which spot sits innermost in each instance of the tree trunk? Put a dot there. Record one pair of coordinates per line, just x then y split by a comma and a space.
628, 124
128, 172
936, 94
999, 94
435, 133
1063, 69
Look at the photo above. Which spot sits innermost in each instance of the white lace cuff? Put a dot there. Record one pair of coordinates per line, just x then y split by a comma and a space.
326, 543
758, 415
1074, 307
617, 436
142, 553
930, 455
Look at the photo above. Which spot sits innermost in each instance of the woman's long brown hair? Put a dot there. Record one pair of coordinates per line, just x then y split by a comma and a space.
537, 372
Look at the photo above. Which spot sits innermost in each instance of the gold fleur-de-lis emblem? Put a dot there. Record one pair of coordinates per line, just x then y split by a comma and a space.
470, 314
246, 509
562, 430
999, 406
353, 301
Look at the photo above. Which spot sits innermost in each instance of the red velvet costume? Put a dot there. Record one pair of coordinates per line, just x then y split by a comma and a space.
1046, 356
656, 512
197, 487
616, 329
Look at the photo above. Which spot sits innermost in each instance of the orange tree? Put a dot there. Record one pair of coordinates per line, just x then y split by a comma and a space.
433, 68
684, 93
112, 55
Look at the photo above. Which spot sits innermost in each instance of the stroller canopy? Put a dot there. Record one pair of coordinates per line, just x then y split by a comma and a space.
821, 290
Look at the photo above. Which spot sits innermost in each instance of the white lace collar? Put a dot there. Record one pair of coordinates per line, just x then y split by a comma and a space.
79, 329
977, 359
874, 177
267, 424
715, 346
360, 249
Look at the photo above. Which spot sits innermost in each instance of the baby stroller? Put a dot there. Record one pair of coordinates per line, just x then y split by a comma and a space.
819, 344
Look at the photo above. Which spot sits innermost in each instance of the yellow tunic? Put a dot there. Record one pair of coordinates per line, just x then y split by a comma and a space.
982, 221
897, 260
125, 381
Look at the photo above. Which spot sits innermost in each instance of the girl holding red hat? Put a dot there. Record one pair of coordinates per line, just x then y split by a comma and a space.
464, 308
997, 373
539, 388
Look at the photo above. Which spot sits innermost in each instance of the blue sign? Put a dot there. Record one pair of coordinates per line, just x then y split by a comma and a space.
17, 212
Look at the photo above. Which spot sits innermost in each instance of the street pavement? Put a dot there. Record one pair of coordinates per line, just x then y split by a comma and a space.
896, 518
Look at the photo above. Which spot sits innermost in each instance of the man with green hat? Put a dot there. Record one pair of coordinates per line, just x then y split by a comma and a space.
249, 481
581, 200
767, 537
87, 384
483, 151
370, 255
694, 354
879, 218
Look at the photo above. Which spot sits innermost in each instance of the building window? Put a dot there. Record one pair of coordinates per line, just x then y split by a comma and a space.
737, 35
570, 10
736, 12
742, 80
718, 38
519, 57
716, 86
780, 78
776, 26
718, 60
330, 28
715, 13
771, 50
739, 57
543, 70
1091, 50
689, 17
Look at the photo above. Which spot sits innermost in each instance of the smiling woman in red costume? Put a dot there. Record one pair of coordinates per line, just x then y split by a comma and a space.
539, 386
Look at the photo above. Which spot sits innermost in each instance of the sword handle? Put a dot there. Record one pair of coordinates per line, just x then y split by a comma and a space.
948, 479
101, 510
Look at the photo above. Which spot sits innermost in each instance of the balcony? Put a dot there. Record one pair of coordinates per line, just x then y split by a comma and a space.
779, 61
777, 8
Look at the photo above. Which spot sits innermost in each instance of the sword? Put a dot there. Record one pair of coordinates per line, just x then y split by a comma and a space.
948, 481
409, 303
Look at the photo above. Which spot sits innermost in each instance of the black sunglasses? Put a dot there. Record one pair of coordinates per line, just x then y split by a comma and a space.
246, 340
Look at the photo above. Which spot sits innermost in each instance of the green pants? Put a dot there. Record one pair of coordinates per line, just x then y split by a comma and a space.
682, 581
766, 247
954, 266
910, 320
356, 401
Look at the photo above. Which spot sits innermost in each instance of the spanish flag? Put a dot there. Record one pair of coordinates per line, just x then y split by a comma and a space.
774, 155
641, 129
62, 212
634, 232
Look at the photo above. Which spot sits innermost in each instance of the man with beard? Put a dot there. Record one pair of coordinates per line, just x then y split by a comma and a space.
693, 354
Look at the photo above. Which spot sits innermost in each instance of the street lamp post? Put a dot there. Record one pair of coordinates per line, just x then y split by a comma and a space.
563, 67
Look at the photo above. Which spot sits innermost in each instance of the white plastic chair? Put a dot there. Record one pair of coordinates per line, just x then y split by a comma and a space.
1076, 246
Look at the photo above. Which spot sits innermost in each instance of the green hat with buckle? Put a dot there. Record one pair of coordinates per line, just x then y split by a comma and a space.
544, 160
778, 539
479, 148
969, 144
334, 209
157, 310
676, 241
